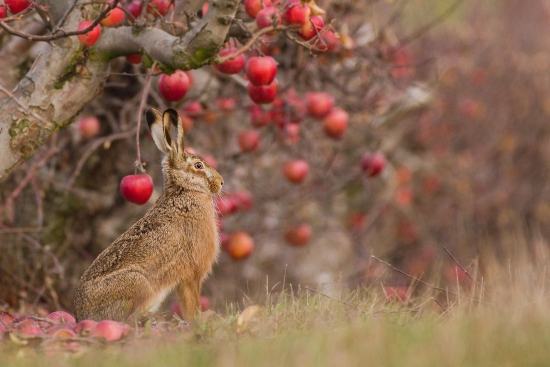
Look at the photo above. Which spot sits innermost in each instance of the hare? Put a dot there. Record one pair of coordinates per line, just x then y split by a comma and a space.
173, 246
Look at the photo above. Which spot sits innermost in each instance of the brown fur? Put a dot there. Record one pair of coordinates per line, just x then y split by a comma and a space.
172, 247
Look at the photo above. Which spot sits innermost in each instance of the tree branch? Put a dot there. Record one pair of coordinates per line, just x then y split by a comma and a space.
197, 48
60, 33
66, 76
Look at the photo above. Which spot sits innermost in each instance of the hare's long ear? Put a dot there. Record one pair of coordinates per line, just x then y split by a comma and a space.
156, 125
174, 118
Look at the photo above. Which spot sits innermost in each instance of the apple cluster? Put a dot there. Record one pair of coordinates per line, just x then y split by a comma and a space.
238, 245
60, 326
115, 17
285, 112
59, 331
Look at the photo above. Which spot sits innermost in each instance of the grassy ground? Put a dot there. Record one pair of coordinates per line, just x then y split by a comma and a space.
509, 326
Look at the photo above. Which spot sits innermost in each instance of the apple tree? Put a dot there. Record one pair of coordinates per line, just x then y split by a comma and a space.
288, 99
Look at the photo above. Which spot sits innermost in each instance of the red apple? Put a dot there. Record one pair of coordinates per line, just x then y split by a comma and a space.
134, 59
296, 14
319, 104
3, 11
240, 245
135, 8
226, 205
91, 37
258, 117
291, 133
249, 141
61, 317
454, 274
404, 196
299, 235
357, 221
232, 66
471, 108
335, 123
227, 104
193, 109
400, 293
210, 117
17, 6
161, 7
205, 303
269, 46
268, 17
311, 28
224, 240
31, 331
244, 198
253, 7
28, 328
264, 93
296, 171
109, 330
174, 87
331, 42
294, 107
186, 121
137, 189
88, 127
62, 331
114, 17
6, 318
261, 70
407, 231
84, 327
211, 161
403, 63
175, 309
373, 163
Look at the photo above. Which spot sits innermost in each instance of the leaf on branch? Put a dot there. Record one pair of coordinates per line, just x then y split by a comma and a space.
246, 317
315, 9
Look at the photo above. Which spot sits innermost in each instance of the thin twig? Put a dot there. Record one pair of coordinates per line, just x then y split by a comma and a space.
138, 164
39, 204
61, 33
24, 283
427, 27
30, 174
333, 299
421, 281
439, 304
461, 267
250, 42
96, 144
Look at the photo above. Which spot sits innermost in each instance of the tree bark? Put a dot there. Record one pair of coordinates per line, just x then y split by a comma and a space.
66, 76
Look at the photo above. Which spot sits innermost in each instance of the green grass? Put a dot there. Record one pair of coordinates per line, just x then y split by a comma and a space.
510, 327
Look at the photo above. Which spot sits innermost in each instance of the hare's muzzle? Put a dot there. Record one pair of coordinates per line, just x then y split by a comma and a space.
216, 184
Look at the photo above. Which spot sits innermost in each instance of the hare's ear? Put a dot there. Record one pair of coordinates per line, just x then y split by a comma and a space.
172, 117
156, 125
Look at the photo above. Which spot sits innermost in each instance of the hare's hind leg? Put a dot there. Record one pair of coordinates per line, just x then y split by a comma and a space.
112, 297
189, 293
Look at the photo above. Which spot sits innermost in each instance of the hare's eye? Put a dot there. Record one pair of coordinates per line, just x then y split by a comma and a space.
199, 165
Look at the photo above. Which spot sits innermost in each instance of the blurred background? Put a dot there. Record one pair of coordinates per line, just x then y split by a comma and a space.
454, 96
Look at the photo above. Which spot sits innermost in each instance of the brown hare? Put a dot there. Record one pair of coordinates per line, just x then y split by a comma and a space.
172, 247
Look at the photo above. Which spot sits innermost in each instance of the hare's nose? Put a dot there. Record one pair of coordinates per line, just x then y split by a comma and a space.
221, 183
